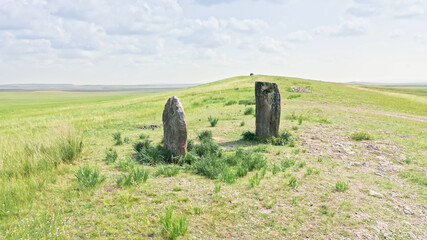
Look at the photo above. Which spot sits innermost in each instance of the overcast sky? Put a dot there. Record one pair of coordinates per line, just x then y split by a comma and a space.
195, 41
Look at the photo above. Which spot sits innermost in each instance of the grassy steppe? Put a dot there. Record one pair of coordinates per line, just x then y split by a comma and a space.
385, 177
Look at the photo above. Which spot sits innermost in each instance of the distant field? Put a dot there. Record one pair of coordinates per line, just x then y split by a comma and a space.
90, 88
328, 185
420, 91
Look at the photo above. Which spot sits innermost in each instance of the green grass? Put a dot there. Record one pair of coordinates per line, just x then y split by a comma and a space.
46, 137
88, 178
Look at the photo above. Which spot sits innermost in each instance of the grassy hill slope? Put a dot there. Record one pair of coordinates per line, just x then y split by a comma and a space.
386, 176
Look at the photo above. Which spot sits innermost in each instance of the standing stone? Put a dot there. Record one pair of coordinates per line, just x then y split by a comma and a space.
175, 127
268, 104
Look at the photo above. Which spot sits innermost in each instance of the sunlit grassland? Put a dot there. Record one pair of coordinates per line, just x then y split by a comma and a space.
40, 197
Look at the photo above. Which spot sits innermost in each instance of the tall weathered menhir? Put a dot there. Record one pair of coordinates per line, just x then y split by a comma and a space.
268, 104
175, 127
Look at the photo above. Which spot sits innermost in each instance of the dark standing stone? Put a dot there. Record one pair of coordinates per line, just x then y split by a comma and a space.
175, 127
268, 105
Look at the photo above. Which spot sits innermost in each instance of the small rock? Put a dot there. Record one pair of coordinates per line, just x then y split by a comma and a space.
375, 194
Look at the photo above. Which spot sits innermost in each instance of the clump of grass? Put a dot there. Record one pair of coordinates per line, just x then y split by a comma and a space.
359, 136
207, 148
293, 182
228, 175
110, 156
249, 136
134, 177
324, 121
117, 136
300, 120
213, 121
249, 111
292, 96
127, 140
301, 164
217, 187
88, 178
167, 170
143, 136
242, 123
231, 102
284, 138
146, 153
197, 210
247, 102
275, 169
255, 180
294, 128
287, 163
126, 165
70, 147
173, 226
341, 186
205, 135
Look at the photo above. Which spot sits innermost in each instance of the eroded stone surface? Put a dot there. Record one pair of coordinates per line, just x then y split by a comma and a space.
268, 104
175, 127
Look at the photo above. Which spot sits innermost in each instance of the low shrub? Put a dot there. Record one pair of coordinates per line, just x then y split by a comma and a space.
148, 154
134, 177
118, 138
293, 96
287, 163
359, 136
293, 182
126, 165
70, 147
110, 156
341, 186
205, 135
249, 111
143, 136
231, 102
206, 148
213, 121
284, 138
167, 170
173, 226
88, 177
249, 136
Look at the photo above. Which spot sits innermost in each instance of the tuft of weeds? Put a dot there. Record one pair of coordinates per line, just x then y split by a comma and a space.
293, 182
205, 135
146, 153
173, 226
110, 155
275, 169
88, 178
287, 163
117, 136
247, 102
242, 123
341, 186
70, 147
228, 175
324, 121
255, 180
249, 111
359, 136
197, 210
126, 165
294, 128
134, 177
301, 164
249, 136
293, 96
127, 140
217, 187
143, 136
284, 138
231, 102
300, 120
167, 170
213, 121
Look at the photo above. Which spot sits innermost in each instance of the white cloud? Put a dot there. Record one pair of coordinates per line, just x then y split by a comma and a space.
345, 29
366, 8
247, 25
299, 36
269, 44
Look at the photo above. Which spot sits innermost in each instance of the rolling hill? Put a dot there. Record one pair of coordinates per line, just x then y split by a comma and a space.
327, 185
